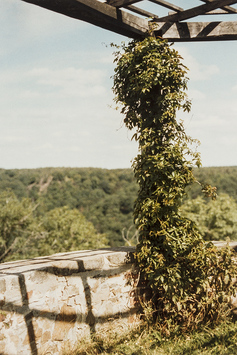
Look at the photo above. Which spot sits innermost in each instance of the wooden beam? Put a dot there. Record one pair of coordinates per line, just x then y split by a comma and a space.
99, 14
142, 12
124, 3
228, 9
213, 12
121, 3
217, 12
196, 11
111, 18
168, 5
197, 31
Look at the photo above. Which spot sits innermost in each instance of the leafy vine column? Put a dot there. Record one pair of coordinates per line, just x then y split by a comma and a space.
150, 82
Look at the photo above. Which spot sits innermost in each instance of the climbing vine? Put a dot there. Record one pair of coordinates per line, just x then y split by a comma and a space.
191, 280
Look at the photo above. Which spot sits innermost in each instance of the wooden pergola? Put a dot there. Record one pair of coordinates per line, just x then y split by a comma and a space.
178, 25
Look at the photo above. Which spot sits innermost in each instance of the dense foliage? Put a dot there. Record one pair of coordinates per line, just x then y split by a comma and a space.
224, 178
216, 220
24, 234
191, 280
106, 198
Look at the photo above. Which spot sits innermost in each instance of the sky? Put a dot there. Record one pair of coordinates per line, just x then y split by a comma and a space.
56, 101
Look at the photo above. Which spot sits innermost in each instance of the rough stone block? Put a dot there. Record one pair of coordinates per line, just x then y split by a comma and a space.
49, 301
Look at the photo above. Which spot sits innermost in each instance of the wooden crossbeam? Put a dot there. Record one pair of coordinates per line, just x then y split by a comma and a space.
99, 14
196, 11
227, 9
213, 12
168, 5
142, 12
197, 31
169, 27
122, 3
217, 12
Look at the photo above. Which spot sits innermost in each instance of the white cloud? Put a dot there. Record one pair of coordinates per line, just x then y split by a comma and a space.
44, 93
214, 123
197, 71
34, 21
61, 77
70, 81
46, 146
12, 139
194, 94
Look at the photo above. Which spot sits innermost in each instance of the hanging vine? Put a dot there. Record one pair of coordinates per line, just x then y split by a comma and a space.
191, 281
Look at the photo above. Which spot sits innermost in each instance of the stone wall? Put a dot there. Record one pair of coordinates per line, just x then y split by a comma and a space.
49, 301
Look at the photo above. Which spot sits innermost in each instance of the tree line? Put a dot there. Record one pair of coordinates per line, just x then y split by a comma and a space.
51, 210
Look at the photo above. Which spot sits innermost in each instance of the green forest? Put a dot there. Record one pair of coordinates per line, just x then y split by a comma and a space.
52, 210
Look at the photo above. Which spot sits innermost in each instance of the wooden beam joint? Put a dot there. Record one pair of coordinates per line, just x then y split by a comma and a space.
196, 31
170, 27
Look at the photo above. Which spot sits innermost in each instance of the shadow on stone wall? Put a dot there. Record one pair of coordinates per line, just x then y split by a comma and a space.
88, 266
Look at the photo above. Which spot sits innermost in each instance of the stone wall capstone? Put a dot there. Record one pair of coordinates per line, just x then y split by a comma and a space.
50, 301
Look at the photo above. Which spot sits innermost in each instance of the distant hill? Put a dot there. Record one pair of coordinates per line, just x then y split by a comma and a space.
105, 197
224, 178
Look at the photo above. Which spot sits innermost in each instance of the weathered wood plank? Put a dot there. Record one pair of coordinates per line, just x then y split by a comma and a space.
168, 5
121, 3
139, 11
124, 23
213, 12
99, 14
197, 31
196, 11
228, 9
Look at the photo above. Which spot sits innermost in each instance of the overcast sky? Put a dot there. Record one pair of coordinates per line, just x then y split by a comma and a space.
56, 97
